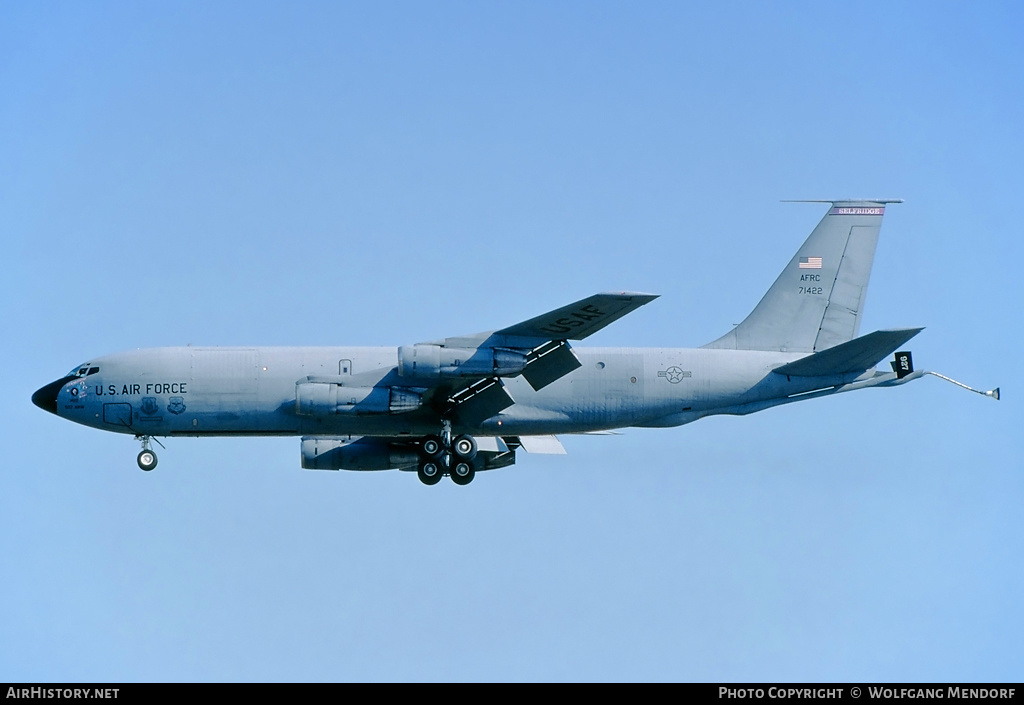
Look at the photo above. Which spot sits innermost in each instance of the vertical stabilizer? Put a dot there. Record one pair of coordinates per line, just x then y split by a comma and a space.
817, 301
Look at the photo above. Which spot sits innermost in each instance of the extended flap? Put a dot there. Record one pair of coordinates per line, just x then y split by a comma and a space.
482, 400
544, 445
550, 362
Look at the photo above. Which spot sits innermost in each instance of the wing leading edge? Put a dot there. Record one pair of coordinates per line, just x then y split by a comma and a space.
581, 319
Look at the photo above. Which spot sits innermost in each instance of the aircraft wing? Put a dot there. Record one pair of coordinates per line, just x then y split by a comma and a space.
385, 453
581, 319
464, 374
550, 357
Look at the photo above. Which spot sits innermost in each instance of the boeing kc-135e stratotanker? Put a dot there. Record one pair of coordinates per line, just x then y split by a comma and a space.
458, 406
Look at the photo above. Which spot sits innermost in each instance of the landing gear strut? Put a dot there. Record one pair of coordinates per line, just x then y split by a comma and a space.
147, 458
443, 456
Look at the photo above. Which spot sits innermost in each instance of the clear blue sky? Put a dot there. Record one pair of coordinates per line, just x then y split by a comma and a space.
386, 173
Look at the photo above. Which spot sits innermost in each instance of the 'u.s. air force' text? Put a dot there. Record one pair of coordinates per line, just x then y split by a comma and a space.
114, 390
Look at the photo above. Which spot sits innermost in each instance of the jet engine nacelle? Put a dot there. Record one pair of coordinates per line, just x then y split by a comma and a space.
437, 362
326, 399
361, 454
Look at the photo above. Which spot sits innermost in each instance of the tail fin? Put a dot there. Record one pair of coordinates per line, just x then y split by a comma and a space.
817, 301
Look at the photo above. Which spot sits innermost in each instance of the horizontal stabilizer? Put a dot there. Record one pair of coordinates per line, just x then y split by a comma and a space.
855, 355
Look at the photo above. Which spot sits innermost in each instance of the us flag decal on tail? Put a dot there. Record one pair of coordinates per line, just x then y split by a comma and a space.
810, 263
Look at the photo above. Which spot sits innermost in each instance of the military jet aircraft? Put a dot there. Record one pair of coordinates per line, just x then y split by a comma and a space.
461, 405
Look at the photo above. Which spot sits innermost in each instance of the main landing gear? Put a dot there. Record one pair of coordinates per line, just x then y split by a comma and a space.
442, 455
147, 458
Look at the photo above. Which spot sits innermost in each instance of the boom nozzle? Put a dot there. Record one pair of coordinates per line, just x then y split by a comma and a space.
994, 393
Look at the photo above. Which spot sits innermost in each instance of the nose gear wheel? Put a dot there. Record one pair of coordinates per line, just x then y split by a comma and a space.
147, 458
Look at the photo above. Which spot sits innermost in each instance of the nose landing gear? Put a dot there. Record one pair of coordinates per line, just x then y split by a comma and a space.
147, 458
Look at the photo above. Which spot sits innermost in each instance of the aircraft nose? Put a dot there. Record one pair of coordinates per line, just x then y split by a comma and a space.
46, 397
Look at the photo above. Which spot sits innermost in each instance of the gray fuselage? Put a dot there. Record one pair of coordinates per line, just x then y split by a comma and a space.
188, 391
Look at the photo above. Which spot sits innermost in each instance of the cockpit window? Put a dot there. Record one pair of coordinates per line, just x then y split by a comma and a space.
92, 371
83, 371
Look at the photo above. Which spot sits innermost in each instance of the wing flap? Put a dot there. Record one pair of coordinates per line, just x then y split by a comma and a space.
482, 400
542, 445
552, 362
